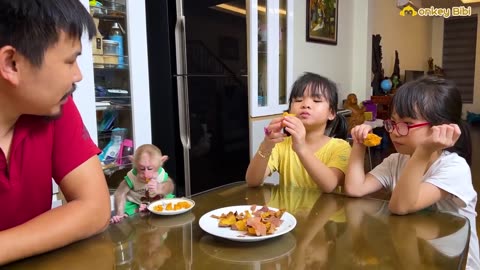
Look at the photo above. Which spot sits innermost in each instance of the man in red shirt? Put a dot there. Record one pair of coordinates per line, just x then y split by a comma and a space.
41, 133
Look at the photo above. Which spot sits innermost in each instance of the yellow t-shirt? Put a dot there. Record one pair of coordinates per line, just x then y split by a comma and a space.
334, 154
293, 199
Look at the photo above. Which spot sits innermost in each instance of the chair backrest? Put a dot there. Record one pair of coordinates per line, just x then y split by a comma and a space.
338, 127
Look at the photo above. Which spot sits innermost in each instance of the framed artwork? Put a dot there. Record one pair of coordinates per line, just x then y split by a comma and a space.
322, 21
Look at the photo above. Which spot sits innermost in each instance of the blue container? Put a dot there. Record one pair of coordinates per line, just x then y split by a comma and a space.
117, 35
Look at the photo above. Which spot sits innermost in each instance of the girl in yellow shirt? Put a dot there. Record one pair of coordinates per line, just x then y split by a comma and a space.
295, 145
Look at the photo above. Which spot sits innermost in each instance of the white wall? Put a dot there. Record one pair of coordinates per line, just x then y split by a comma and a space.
84, 97
410, 36
362, 49
348, 63
332, 61
256, 128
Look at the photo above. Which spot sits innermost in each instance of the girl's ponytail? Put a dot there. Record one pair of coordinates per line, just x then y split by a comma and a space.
463, 147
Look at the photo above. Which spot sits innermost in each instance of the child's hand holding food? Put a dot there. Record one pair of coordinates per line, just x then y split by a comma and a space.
283, 122
359, 133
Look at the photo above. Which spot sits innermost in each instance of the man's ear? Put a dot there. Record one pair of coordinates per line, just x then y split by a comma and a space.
8, 65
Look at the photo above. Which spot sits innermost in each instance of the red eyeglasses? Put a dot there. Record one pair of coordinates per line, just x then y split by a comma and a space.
401, 127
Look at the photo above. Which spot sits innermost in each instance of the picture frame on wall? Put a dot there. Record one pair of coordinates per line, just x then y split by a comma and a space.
322, 21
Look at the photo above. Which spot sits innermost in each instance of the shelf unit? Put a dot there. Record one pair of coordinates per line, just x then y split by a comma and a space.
116, 96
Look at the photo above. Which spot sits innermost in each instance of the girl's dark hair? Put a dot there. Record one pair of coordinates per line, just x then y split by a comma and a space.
438, 101
32, 26
319, 86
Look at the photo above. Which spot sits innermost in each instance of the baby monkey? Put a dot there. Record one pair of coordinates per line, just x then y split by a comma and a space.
147, 181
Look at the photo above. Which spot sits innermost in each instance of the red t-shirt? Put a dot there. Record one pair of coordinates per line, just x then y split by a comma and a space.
41, 150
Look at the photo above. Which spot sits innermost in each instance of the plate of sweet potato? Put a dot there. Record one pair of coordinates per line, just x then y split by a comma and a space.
247, 223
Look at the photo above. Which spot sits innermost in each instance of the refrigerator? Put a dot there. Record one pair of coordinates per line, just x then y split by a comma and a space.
197, 55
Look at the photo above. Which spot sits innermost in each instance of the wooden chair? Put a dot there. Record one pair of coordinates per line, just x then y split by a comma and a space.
338, 127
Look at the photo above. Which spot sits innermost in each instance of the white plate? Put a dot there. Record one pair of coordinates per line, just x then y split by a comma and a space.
164, 202
210, 225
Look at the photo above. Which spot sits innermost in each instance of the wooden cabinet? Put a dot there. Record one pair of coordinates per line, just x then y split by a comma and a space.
383, 105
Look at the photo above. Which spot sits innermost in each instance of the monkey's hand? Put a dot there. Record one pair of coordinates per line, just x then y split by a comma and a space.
142, 208
152, 188
117, 218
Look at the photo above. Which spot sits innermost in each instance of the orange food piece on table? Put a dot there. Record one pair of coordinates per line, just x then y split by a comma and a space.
239, 221
241, 225
181, 205
227, 221
251, 231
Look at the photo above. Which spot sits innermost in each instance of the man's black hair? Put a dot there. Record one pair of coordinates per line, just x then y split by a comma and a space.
32, 26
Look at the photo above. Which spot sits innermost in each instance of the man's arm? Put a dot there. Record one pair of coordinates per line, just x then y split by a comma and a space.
86, 213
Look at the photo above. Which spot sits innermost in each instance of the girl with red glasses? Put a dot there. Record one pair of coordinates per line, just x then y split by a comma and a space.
431, 166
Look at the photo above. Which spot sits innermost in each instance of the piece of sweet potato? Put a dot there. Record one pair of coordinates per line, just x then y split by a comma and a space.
227, 221
372, 140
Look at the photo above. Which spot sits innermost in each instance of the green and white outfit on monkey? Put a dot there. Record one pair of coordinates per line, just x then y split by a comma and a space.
138, 187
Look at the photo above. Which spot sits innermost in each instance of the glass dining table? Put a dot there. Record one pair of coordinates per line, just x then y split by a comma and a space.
332, 231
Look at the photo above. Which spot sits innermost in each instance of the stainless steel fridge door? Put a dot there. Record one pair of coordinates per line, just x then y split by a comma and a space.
182, 88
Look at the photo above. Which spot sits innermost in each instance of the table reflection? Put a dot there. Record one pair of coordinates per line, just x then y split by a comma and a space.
335, 232
405, 242
332, 232
274, 251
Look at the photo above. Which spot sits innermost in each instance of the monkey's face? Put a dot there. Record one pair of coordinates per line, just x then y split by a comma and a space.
146, 173
147, 167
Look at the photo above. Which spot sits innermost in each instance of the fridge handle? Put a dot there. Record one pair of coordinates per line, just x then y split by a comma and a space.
182, 88
182, 82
